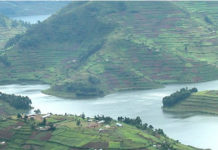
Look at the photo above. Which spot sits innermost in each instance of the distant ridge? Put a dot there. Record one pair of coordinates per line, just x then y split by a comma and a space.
9, 28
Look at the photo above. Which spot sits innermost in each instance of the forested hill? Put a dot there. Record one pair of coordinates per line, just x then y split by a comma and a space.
94, 48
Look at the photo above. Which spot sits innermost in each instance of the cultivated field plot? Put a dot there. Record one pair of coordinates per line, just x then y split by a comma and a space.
21, 134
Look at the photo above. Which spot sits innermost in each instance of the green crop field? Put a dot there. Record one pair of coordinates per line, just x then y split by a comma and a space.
205, 102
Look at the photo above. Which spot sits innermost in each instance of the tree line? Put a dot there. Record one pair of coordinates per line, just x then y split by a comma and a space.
18, 102
137, 122
178, 96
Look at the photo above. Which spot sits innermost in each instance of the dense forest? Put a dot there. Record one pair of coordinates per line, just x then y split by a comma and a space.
18, 102
178, 96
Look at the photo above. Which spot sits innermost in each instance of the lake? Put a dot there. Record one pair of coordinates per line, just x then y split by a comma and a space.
32, 19
200, 131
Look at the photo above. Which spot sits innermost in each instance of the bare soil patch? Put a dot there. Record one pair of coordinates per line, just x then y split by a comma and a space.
96, 145
6, 133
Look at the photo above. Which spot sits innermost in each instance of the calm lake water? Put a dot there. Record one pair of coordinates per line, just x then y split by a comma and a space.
32, 19
199, 131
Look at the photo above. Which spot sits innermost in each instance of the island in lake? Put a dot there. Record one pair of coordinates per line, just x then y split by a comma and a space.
192, 103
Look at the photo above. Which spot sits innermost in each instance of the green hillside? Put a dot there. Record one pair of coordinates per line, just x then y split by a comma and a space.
19, 131
68, 134
9, 28
95, 48
205, 102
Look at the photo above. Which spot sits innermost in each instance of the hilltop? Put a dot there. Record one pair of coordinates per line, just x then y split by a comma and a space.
91, 49
205, 102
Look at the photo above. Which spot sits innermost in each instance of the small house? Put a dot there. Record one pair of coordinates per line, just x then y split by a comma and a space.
46, 116
100, 130
31, 116
90, 120
18, 127
103, 130
119, 124
44, 128
107, 126
100, 122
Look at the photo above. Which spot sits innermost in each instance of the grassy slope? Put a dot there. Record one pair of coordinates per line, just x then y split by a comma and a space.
124, 45
7, 110
69, 136
9, 29
205, 102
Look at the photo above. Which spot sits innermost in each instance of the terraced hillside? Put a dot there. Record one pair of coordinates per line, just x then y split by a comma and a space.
205, 102
19, 134
204, 13
95, 48
9, 29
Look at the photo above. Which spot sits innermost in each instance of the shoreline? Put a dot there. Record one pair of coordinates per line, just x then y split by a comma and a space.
72, 96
